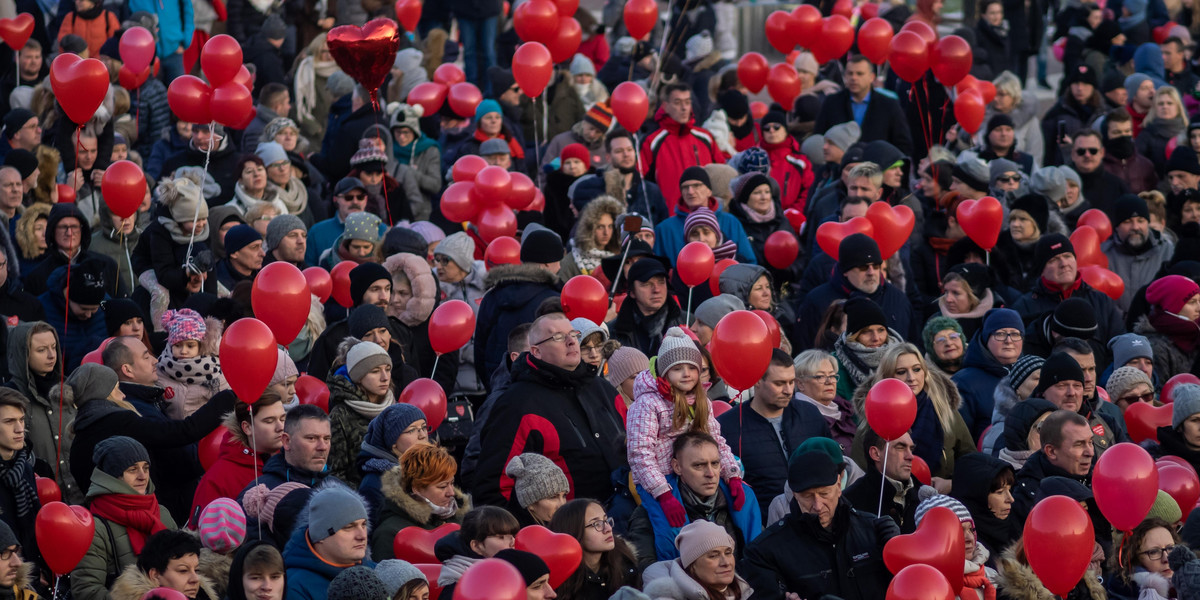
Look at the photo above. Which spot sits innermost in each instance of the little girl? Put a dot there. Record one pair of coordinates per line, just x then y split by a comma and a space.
189, 369
664, 407
702, 226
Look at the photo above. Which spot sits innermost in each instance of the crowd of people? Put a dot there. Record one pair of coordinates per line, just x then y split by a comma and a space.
622, 433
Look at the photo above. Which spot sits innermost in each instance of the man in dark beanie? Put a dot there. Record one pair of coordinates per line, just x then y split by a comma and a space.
1054, 260
26, 164
859, 273
84, 328
1073, 317
370, 284
649, 310
21, 131
1135, 251
1061, 382
13, 582
737, 114
1000, 141
243, 256
695, 189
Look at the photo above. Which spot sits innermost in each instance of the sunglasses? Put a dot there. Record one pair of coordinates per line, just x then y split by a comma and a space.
773, 127
1147, 397
1009, 179
1086, 151
355, 196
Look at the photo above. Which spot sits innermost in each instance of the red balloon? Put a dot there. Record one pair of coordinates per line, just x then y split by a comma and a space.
64, 534
937, 542
585, 297
561, 552
868, 11
16, 31
891, 408
1098, 220
831, 234
1058, 542
79, 85
320, 283
752, 69
456, 204
874, 40
451, 326
844, 8
123, 187
189, 98
783, 84
795, 218
415, 544
408, 13
47, 490
66, 193
714, 280
837, 35
244, 78
566, 41
909, 56
920, 582
366, 53
467, 167
1170, 459
780, 27
428, 396
137, 49
1179, 483
720, 407
567, 7
231, 104
536, 21
130, 80
924, 30
494, 222
502, 251
490, 579
209, 448
248, 357
1103, 280
695, 263
281, 298
986, 89
981, 220
1143, 420
951, 60
741, 349
449, 74
1125, 483
432, 571
640, 17
538, 204
759, 109
920, 470
464, 98
781, 249
429, 96
493, 185
532, 64
310, 390
1087, 247
341, 283
522, 191
968, 83
630, 105
892, 226
1168, 391
1162, 32
220, 59
773, 332
808, 21
969, 111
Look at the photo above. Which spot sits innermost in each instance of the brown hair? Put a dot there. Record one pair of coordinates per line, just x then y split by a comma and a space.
241, 410
424, 465
614, 564
263, 558
971, 298
11, 397
1125, 561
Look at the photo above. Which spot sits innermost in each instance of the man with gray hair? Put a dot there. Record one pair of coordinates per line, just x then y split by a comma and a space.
287, 241
12, 192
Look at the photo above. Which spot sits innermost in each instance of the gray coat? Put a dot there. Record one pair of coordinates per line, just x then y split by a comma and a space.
469, 290
1136, 270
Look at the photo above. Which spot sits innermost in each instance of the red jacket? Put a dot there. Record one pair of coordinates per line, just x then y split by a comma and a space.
671, 149
791, 169
235, 467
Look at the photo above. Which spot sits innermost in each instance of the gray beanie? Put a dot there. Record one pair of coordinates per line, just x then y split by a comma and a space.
1186, 579
1050, 182
117, 453
494, 146
8, 539
535, 477
1133, 82
1128, 346
271, 153
460, 248
1186, 402
394, 573
711, 311
91, 381
331, 508
1000, 166
626, 362
811, 148
357, 583
279, 228
365, 318
844, 135
362, 226
363, 357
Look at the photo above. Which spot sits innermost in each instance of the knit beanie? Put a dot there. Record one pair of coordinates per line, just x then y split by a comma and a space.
1058, 368
819, 444
279, 228
8, 539
582, 65
1165, 508
931, 499
626, 362
238, 237
774, 117
363, 357
813, 148
1183, 158
977, 276
362, 226
284, 367
752, 160
460, 248
541, 246
487, 107
535, 477
698, 46
721, 175
15, 120
998, 120
1186, 566
117, 453
586, 327
119, 310
260, 501
365, 318
91, 381
361, 278
182, 325
1051, 182
183, 198
1129, 206
432, 233
22, 160
1185, 403
972, 172
333, 507
385, 429
698, 537
1074, 317
862, 313
584, 190
599, 115
857, 250
394, 573
1000, 318
357, 583
1124, 379
578, 151
806, 63
844, 135
1133, 82
1021, 370
530, 565
939, 323
1049, 246
677, 348
702, 216
1038, 209
812, 469
271, 153
222, 526
274, 28
1172, 292
695, 174
1128, 346
734, 103
711, 311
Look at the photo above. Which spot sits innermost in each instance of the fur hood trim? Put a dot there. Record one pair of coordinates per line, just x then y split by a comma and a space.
523, 273
614, 184
424, 288
215, 566
133, 584
26, 238
1004, 398
1018, 581
392, 484
234, 428
590, 217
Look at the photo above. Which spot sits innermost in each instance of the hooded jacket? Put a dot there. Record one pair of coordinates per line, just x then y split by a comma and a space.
401, 510
81, 336
36, 280
414, 320
972, 483
583, 243
235, 467
43, 424
119, 248
514, 293
674, 147
976, 382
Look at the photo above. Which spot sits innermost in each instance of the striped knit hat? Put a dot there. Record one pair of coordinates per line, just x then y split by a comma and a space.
1022, 369
222, 526
931, 499
702, 216
261, 501
599, 116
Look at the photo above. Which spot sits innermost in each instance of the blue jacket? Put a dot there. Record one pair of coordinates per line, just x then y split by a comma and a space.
175, 25
308, 575
170, 144
976, 383
669, 240
80, 336
748, 520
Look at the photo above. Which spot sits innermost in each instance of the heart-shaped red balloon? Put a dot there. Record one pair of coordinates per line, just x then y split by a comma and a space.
1106, 282
311, 390
1086, 242
783, 83
428, 396
1098, 220
47, 490
561, 551
366, 53
584, 296
752, 70
79, 85
130, 80
893, 225
795, 218
831, 234
837, 35
937, 542
248, 357
1179, 483
415, 544
1144, 419
64, 534
981, 220
16, 31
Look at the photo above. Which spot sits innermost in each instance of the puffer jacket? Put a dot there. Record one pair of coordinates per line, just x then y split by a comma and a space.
1137, 269
668, 579
977, 382
43, 424
674, 147
401, 510
513, 295
470, 290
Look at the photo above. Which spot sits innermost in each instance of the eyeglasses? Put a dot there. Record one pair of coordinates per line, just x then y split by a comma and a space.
68, 228
1004, 336
1009, 179
7, 553
1147, 397
823, 378
953, 337
1157, 553
355, 196
589, 348
283, 164
601, 524
560, 337
418, 429
1085, 151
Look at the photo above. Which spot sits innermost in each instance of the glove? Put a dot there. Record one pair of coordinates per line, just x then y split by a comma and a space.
676, 515
736, 493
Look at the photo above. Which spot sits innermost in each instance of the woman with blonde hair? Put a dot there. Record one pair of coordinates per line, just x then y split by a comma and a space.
1027, 127
1168, 120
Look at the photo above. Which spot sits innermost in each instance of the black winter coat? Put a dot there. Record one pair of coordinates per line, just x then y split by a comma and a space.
1040, 300
632, 329
884, 120
1029, 479
865, 493
514, 293
891, 299
222, 166
972, 483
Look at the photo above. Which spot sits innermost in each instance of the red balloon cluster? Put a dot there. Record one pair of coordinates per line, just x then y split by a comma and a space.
547, 23
365, 53
227, 100
79, 85
487, 196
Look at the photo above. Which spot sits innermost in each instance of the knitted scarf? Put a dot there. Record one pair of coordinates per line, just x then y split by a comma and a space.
13, 476
294, 195
859, 360
756, 217
975, 582
453, 569
137, 512
1184, 334
370, 409
589, 260
201, 370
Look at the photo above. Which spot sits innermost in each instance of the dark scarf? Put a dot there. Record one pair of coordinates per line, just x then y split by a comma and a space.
1184, 334
42, 383
928, 434
15, 474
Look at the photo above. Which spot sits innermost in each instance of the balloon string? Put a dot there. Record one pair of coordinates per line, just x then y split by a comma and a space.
137, 111
254, 453
379, 137
537, 145
62, 371
436, 358
882, 478
688, 314
196, 216
637, 153
77, 172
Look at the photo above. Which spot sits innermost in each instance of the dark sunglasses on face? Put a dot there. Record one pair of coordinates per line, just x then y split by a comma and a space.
355, 196
1009, 179
1083, 151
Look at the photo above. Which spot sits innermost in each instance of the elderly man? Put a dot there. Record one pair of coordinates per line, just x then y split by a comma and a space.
21, 130
649, 310
696, 192
676, 145
1106, 419
556, 406
1054, 258
1066, 451
1135, 251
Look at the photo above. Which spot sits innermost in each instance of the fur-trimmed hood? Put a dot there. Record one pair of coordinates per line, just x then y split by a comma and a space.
522, 273
215, 566
1018, 581
590, 216
26, 238
400, 501
1004, 398
424, 288
132, 584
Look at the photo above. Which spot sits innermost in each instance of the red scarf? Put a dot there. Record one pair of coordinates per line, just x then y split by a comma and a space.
1184, 334
138, 513
513, 147
1067, 291
976, 582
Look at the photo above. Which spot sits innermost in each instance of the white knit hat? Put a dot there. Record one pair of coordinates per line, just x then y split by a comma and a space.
363, 357
677, 348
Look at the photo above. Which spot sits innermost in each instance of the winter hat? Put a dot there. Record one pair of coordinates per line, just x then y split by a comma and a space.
813, 149
774, 117
811, 469
1000, 318
117, 453
1128, 207
493, 147
744, 185
8, 539
72, 44
362, 226
930, 499
535, 477
857, 250
972, 172
1082, 74
711, 311
365, 318
15, 120
806, 63
844, 135
1037, 207
385, 428
432, 233
409, 116
721, 175
862, 313
183, 325
530, 565
1000, 166
1128, 346
284, 367
279, 228
695, 174
806, 109
87, 283
357, 583
582, 65
184, 199
363, 357
1186, 566
940, 323
239, 237
1051, 182
90, 381
752, 160
999, 120
1020, 420
578, 151
500, 78
460, 248
274, 28
1182, 158
677, 348
260, 501
394, 573
698, 537
698, 46
734, 103
586, 327
368, 157
821, 444
1058, 368
584, 190
1169, 293
626, 362
333, 507
599, 115
1074, 317
541, 247
362, 276
1185, 402
487, 107
1165, 508
1023, 369
1049, 246
977, 276
1124, 379
271, 153
1134, 82
702, 216
116, 312
222, 526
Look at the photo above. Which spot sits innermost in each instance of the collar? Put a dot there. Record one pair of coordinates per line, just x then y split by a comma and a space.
1065, 292
866, 99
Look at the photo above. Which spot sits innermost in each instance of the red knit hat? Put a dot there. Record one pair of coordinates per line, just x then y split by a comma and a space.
1171, 292
576, 150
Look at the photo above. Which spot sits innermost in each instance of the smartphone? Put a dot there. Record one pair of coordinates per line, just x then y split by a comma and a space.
1062, 132
632, 224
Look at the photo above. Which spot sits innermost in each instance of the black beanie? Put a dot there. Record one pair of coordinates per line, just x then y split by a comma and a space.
119, 310
1049, 246
695, 174
1183, 159
87, 283
361, 278
1058, 368
858, 250
541, 246
403, 239
978, 277
862, 313
774, 117
117, 453
999, 120
15, 120
22, 160
734, 103
1074, 317
1129, 206
365, 318
1035, 206
530, 565
806, 108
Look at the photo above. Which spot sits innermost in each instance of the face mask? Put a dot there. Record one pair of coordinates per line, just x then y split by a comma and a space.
1120, 147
